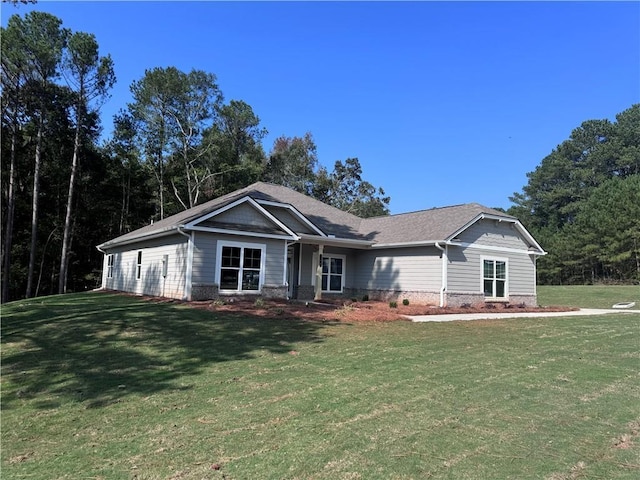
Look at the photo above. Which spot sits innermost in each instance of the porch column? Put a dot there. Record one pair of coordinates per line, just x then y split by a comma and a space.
318, 293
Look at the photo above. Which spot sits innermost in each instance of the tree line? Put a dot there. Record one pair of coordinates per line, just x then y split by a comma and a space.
582, 203
175, 145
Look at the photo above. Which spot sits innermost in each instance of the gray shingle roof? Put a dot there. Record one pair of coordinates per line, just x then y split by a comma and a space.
425, 225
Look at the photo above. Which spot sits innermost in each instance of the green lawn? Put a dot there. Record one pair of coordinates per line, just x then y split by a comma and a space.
588, 296
101, 386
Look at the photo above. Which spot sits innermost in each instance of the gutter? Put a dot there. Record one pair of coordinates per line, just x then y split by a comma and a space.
445, 259
161, 233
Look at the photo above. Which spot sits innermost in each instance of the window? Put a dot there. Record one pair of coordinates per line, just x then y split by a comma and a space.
240, 267
139, 265
332, 273
494, 278
109, 266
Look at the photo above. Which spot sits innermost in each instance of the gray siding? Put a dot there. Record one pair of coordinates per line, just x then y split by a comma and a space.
494, 233
464, 273
406, 269
151, 282
243, 214
289, 219
306, 267
205, 263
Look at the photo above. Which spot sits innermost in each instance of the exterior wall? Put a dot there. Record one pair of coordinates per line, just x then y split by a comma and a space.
243, 214
151, 281
289, 219
398, 269
490, 239
412, 273
205, 265
306, 286
464, 275
495, 234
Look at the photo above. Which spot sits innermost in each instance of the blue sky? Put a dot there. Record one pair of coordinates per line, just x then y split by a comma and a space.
442, 102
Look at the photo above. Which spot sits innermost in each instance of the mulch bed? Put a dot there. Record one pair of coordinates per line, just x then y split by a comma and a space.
343, 310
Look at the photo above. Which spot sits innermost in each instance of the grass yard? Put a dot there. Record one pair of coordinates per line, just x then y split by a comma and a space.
103, 386
588, 296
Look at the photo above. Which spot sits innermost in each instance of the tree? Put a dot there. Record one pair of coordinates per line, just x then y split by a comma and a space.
195, 109
40, 41
236, 158
152, 97
172, 110
562, 187
12, 78
345, 189
608, 228
128, 176
293, 162
90, 77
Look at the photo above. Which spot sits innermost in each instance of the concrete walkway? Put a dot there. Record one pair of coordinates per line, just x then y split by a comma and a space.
453, 317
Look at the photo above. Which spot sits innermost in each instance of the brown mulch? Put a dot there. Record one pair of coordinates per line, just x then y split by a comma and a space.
343, 310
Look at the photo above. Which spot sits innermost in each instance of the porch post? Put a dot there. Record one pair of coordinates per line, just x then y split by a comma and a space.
318, 293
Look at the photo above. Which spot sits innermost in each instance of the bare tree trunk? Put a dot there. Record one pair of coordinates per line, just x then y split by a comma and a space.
34, 215
66, 236
44, 251
8, 231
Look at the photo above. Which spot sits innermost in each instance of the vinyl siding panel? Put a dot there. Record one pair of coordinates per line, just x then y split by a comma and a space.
151, 281
464, 274
289, 219
494, 233
410, 269
205, 262
243, 214
204, 258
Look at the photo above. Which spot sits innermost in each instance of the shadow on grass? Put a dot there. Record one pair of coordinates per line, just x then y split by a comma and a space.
97, 348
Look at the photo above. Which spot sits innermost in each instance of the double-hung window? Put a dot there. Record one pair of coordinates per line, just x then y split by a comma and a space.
241, 267
332, 273
494, 277
109, 266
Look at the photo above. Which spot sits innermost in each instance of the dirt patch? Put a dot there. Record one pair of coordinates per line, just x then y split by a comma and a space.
344, 310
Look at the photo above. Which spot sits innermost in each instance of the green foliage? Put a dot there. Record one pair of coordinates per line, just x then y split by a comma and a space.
345, 189
293, 163
393, 304
405, 302
581, 203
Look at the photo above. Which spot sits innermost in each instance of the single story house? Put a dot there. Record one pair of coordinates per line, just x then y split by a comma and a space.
271, 241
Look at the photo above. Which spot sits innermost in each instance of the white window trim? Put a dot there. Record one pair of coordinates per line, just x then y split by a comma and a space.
506, 280
263, 256
344, 271
110, 264
139, 258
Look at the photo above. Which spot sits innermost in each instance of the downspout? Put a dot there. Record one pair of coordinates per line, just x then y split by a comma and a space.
103, 281
443, 287
189, 267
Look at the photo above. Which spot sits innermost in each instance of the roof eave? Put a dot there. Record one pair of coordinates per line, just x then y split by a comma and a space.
139, 238
419, 243
335, 241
